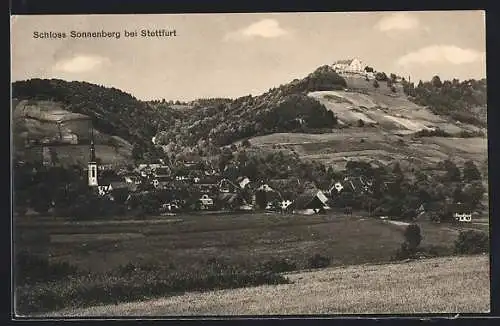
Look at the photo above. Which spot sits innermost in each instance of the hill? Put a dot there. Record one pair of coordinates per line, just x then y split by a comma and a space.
381, 124
385, 116
64, 134
283, 109
111, 111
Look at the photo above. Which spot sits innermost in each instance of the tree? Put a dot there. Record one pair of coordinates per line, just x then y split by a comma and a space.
397, 169
471, 172
393, 77
413, 236
412, 240
246, 143
361, 123
436, 82
261, 199
452, 172
136, 153
473, 194
368, 69
381, 76
458, 195
375, 84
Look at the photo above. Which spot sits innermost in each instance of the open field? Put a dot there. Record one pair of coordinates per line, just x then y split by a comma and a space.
439, 285
247, 239
119, 260
391, 111
374, 144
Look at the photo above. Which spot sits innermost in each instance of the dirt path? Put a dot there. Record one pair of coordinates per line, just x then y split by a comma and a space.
440, 285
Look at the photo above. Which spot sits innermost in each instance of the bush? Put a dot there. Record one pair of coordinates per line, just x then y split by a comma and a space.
472, 242
381, 76
436, 251
279, 265
318, 261
32, 269
136, 282
375, 84
412, 235
430, 133
404, 252
408, 248
361, 123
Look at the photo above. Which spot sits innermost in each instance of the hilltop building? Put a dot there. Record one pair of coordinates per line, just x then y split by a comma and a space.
349, 66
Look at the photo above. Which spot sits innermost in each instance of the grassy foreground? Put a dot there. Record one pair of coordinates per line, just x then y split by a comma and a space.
113, 261
437, 285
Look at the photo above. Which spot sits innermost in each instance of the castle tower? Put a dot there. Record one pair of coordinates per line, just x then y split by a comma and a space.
92, 166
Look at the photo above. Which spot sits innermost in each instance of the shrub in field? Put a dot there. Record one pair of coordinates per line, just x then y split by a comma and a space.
318, 261
436, 251
412, 235
279, 265
138, 284
408, 248
31, 269
471, 242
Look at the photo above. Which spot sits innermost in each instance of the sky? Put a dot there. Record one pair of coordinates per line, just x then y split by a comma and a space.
232, 55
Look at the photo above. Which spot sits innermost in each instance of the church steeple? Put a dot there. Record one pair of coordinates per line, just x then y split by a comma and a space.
92, 151
92, 176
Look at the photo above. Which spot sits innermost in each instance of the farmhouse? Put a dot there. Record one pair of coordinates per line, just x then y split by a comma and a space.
312, 201
459, 212
230, 201
206, 202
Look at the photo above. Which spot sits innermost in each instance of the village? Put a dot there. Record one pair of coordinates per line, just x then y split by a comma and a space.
198, 186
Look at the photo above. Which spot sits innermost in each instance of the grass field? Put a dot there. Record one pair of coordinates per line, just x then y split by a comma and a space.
438, 285
240, 239
375, 144
180, 249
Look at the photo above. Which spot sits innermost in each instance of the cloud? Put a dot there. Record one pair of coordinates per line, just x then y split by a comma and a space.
80, 63
398, 21
441, 54
266, 28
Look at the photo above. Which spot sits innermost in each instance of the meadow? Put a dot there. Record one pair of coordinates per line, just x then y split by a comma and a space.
112, 261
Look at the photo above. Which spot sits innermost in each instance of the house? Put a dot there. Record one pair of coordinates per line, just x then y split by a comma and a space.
350, 66
265, 187
230, 201
227, 186
206, 202
132, 179
356, 185
69, 139
310, 202
459, 212
243, 182
208, 184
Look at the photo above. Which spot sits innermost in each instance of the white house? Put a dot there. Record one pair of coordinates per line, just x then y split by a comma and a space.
206, 201
352, 65
463, 217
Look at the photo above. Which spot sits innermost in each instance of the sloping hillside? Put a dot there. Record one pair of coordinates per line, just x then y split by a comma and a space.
283, 109
351, 114
380, 125
47, 122
112, 111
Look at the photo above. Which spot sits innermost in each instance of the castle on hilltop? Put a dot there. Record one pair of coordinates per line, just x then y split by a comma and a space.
351, 67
